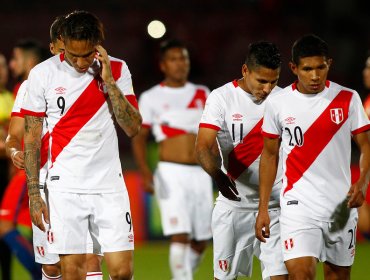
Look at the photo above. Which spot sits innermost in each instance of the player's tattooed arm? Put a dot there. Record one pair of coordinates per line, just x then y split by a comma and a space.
32, 146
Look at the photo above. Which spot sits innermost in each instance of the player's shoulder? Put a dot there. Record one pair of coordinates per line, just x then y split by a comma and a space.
197, 86
48, 65
279, 94
117, 61
225, 89
152, 91
339, 88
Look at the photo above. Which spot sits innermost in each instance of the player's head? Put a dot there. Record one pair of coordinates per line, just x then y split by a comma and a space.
26, 54
174, 61
310, 63
366, 72
261, 69
82, 32
4, 71
56, 44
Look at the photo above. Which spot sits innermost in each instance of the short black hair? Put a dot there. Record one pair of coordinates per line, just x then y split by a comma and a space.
33, 47
170, 44
309, 45
264, 54
56, 28
82, 25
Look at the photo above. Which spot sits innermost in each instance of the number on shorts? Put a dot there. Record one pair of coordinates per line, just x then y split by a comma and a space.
128, 219
352, 232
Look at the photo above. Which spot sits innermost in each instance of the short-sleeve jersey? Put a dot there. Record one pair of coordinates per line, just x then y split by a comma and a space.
237, 117
16, 112
315, 131
84, 156
172, 111
367, 105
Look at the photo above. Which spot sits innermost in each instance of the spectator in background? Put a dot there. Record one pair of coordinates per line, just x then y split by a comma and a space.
6, 103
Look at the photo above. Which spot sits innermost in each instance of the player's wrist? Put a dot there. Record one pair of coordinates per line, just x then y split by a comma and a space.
13, 154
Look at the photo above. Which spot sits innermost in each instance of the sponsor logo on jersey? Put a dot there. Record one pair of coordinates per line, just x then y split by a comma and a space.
289, 120
224, 265
289, 244
336, 115
54, 178
60, 90
41, 251
50, 236
292, 202
237, 117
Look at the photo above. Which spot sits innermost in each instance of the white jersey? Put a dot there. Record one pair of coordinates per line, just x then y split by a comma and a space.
173, 111
84, 156
237, 117
16, 112
316, 134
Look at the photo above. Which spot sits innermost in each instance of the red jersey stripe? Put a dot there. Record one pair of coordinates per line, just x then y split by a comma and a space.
44, 149
246, 152
31, 113
315, 139
199, 99
235, 83
171, 131
17, 114
132, 100
211, 126
270, 135
145, 125
361, 129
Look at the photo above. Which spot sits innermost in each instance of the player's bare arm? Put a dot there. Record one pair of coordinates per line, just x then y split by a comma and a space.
267, 174
32, 146
358, 190
139, 144
211, 162
128, 117
13, 142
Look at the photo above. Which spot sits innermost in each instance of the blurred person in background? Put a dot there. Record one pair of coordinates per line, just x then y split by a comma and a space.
6, 102
172, 110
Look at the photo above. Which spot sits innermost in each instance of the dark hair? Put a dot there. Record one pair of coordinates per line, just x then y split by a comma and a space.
33, 47
169, 44
309, 45
264, 54
56, 28
82, 25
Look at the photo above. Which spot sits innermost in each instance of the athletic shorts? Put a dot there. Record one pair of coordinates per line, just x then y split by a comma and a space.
235, 244
185, 198
40, 244
105, 216
14, 206
303, 237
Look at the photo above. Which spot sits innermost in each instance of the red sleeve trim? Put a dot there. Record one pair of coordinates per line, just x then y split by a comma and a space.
211, 126
31, 113
270, 135
361, 129
133, 101
145, 125
17, 114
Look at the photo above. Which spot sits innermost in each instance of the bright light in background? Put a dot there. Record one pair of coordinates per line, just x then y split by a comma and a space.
156, 29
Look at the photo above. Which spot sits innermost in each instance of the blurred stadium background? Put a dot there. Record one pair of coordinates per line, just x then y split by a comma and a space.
217, 34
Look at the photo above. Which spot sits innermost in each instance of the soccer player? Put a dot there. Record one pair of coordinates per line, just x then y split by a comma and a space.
80, 90
233, 115
172, 110
314, 119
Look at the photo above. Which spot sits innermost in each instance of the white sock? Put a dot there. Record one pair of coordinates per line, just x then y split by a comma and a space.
195, 258
180, 262
47, 277
94, 275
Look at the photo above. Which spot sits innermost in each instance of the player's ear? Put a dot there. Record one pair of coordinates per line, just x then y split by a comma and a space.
293, 67
245, 70
329, 61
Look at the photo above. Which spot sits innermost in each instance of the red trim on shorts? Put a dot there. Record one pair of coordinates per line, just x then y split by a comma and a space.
211, 126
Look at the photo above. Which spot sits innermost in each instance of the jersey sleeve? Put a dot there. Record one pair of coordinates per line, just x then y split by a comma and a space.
359, 120
146, 110
34, 103
124, 82
16, 111
270, 126
213, 114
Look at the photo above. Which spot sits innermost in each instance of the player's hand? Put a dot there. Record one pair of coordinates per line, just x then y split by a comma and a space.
226, 186
38, 210
106, 71
148, 184
18, 159
262, 226
356, 194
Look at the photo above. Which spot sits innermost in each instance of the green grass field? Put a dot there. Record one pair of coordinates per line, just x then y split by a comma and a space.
151, 263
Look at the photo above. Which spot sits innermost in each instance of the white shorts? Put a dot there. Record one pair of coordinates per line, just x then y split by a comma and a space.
185, 198
302, 237
235, 244
106, 217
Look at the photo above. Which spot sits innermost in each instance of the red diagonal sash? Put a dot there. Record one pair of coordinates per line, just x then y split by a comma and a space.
44, 149
246, 152
317, 136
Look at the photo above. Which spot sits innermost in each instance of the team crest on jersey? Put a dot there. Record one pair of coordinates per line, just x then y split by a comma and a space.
237, 117
289, 120
60, 90
336, 115
224, 265
40, 250
289, 244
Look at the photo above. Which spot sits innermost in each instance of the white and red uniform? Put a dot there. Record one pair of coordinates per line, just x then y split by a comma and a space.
184, 192
315, 131
83, 153
237, 117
